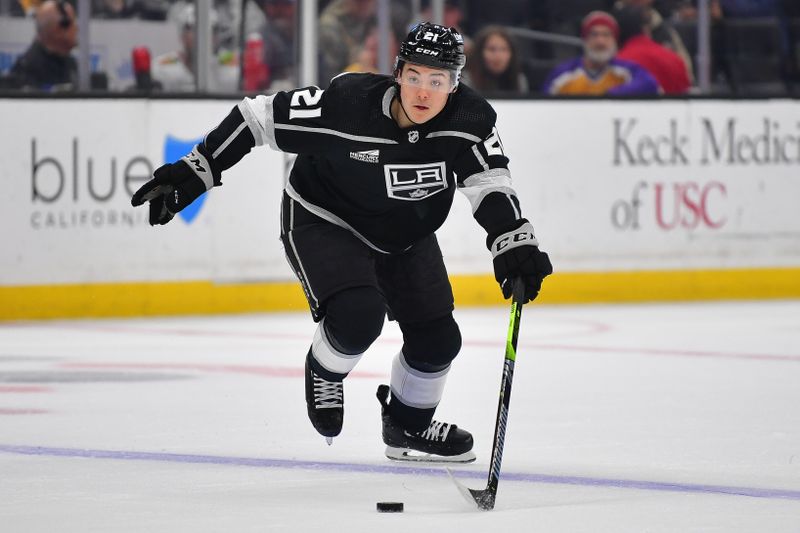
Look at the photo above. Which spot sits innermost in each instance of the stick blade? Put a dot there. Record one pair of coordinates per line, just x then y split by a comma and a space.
484, 499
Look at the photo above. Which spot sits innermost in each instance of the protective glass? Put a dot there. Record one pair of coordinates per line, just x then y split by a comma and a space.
438, 80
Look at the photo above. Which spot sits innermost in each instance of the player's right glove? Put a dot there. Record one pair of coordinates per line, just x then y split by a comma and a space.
176, 185
516, 254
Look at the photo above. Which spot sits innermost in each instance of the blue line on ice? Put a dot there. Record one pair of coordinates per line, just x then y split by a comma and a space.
753, 492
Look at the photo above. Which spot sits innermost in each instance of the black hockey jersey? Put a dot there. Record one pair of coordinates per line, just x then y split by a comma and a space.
358, 169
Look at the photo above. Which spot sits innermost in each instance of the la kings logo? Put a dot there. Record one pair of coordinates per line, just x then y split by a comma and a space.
414, 182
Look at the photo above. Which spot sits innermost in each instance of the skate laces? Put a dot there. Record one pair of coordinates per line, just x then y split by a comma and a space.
328, 394
436, 431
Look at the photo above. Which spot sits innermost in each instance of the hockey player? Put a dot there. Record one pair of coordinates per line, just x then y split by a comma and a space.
380, 158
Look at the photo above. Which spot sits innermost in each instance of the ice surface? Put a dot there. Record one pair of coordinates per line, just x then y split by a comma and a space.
623, 419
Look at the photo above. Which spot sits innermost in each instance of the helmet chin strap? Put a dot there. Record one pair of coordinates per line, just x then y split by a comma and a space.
400, 99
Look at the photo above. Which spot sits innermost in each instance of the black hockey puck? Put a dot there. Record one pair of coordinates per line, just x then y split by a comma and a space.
390, 507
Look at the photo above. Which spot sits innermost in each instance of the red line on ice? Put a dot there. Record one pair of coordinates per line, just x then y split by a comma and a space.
13, 389
591, 328
664, 352
270, 371
8, 411
497, 343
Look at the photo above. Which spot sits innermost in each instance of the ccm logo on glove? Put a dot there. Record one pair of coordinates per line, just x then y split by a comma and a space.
516, 255
523, 236
199, 165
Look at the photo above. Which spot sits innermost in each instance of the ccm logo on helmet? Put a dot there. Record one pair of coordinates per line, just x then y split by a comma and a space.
426, 51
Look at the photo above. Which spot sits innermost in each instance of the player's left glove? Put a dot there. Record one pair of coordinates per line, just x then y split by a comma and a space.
176, 185
516, 255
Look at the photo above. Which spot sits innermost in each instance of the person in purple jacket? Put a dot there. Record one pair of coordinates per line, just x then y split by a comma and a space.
598, 72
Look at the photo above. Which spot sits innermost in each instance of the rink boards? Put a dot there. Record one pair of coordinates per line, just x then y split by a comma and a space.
634, 200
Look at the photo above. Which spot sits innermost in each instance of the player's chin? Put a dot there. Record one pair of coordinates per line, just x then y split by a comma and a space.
423, 114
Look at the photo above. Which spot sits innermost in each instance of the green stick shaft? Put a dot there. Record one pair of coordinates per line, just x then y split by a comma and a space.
505, 396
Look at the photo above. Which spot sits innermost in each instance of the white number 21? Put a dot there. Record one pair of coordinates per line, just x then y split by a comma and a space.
305, 103
492, 143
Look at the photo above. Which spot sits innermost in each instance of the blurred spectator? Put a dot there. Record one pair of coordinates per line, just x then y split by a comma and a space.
175, 71
229, 16
343, 28
119, 9
686, 10
153, 9
453, 14
47, 63
481, 13
598, 72
665, 65
367, 60
750, 8
565, 16
661, 31
493, 65
112, 9
280, 40
23, 8
400, 17
453, 18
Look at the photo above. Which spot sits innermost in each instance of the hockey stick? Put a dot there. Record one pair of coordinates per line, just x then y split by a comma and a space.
485, 498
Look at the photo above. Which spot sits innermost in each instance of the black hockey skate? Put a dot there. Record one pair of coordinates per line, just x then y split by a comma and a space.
325, 402
439, 442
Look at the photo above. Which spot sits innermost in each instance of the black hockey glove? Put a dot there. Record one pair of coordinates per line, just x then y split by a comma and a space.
516, 255
176, 185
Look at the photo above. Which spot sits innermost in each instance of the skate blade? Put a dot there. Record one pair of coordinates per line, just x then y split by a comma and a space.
406, 454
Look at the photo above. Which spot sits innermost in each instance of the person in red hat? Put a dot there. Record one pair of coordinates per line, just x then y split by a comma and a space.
598, 72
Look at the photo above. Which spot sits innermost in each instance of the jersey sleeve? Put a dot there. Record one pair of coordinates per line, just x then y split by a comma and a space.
298, 121
485, 180
292, 121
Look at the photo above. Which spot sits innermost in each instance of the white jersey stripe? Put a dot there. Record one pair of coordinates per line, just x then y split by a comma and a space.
480, 185
514, 207
296, 255
257, 112
229, 140
449, 133
341, 134
479, 157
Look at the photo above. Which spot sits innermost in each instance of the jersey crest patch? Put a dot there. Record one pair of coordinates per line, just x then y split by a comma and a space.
415, 182
367, 156
413, 136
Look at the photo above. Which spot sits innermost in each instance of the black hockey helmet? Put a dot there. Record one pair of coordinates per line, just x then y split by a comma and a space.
434, 46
